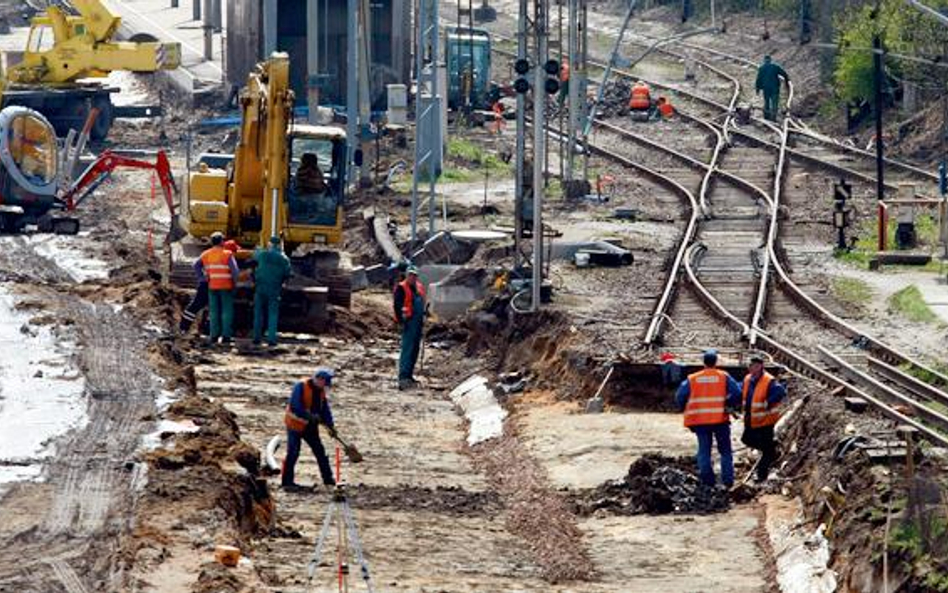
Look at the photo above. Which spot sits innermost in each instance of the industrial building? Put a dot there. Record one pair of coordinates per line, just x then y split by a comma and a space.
313, 32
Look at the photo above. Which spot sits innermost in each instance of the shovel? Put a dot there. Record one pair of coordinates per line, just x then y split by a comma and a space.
351, 452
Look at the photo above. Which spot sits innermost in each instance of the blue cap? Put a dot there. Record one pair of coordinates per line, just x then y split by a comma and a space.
401, 266
324, 373
710, 356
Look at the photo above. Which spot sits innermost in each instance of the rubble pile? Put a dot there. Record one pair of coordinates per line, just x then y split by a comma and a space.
655, 484
615, 99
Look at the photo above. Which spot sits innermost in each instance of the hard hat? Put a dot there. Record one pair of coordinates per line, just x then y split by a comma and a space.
217, 238
710, 356
412, 270
757, 357
401, 266
231, 246
325, 374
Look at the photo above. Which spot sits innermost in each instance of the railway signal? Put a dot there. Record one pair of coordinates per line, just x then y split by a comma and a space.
842, 216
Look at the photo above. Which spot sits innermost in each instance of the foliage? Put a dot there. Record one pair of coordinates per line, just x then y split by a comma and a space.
902, 30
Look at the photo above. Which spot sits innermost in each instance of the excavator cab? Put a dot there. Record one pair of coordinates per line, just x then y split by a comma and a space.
315, 193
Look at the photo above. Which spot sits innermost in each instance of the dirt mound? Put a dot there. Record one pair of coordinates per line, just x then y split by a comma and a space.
655, 484
446, 500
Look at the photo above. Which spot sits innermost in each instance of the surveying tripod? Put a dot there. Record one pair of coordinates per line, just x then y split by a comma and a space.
340, 506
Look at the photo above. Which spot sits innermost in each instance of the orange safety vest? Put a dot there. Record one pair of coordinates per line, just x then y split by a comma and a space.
216, 261
666, 109
294, 422
708, 395
760, 413
408, 304
641, 97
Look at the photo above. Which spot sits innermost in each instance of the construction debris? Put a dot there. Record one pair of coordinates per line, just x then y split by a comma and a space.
655, 484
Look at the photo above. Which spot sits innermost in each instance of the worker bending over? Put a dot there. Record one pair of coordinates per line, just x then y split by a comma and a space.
409, 307
761, 397
219, 268
706, 397
768, 81
307, 409
272, 271
640, 100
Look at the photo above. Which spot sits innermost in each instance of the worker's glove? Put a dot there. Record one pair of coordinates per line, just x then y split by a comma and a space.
332, 432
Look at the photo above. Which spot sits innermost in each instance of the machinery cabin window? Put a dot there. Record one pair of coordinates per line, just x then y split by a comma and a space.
41, 39
33, 148
314, 182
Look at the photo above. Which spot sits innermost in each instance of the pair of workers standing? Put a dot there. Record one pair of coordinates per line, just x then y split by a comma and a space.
218, 277
708, 396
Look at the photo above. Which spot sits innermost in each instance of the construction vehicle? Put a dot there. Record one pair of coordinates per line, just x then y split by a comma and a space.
261, 194
63, 50
35, 185
467, 53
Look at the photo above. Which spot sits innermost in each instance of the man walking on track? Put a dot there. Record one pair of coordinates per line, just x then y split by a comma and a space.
768, 81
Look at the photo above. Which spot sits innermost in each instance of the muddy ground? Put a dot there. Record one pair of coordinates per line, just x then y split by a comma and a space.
169, 463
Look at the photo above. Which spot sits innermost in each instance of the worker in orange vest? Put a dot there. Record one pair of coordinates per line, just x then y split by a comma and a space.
564, 82
220, 269
761, 395
409, 302
640, 98
200, 298
706, 397
307, 409
664, 108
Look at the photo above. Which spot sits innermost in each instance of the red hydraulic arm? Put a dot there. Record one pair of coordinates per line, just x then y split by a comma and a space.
108, 161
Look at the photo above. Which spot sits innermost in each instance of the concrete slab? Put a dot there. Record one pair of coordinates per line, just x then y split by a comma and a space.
478, 404
157, 18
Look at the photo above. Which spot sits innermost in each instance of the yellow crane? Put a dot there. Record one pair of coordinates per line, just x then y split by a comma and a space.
284, 179
64, 48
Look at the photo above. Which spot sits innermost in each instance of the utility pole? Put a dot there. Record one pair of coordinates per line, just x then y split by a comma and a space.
519, 190
365, 61
352, 88
540, 23
577, 83
880, 163
428, 131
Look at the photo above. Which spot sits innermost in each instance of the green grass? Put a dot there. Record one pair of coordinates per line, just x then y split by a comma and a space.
852, 291
865, 247
461, 148
910, 304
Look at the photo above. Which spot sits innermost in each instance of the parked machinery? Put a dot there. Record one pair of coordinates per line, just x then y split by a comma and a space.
65, 48
269, 187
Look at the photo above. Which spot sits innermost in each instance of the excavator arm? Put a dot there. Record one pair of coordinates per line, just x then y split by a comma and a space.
107, 162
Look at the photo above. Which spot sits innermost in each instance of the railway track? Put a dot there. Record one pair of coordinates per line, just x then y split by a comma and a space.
729, 252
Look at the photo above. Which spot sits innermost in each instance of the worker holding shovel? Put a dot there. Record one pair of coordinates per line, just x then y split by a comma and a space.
307, 409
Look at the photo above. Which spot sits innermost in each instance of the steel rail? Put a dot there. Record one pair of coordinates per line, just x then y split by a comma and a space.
772, 229
906, 381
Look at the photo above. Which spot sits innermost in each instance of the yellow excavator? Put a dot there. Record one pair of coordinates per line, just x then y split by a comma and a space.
284, 179
64, 50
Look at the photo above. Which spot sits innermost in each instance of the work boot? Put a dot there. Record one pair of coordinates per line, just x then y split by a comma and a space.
296, 488
405, 384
